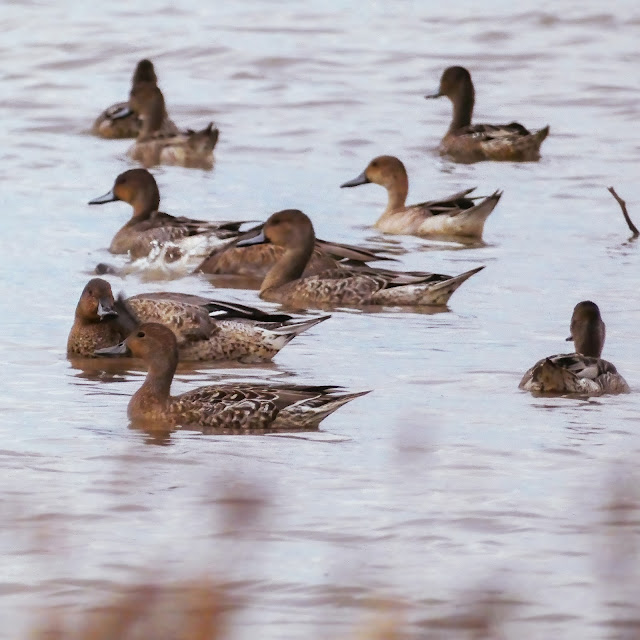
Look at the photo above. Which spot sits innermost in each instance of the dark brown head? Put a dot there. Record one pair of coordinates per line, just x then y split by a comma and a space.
454, 81
290, 229
151, 342
386, 171
144, 72
96, 302
587, 329
137, 187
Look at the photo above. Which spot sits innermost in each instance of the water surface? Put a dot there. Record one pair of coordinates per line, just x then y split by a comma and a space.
443, 483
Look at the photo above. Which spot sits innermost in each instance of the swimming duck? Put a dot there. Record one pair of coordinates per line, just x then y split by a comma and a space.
237, 408
115, 122
205, 329
457, 215
157, 145
292, 230
466, 142
255, 261
582, 372
149, 227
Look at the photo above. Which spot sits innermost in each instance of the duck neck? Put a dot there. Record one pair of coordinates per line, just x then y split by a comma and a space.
290, 267
397, 192
590, 341
157, 385
144, 204
463, 102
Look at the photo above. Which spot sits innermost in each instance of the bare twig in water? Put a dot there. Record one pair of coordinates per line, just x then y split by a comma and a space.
625, 213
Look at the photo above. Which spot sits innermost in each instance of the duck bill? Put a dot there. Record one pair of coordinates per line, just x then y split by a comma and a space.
569, 339
116, 351
107, 197
361, 179
122, 112
106, 310
437, 94
259, 239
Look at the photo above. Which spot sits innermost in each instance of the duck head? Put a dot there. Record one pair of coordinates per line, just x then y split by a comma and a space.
96, 302
136, 187
588, 330
456, 84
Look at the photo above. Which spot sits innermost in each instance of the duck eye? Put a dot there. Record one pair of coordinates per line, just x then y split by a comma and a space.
140, 334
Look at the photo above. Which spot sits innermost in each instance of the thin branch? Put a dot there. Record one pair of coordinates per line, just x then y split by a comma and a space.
625, 213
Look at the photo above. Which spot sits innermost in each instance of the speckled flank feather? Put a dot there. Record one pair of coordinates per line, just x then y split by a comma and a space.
244, 408
489, 142
573, 374
352, 287
85, 339
225, 337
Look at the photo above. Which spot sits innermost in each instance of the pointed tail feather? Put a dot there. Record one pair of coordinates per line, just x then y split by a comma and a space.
310, 412
296, 327
441, 292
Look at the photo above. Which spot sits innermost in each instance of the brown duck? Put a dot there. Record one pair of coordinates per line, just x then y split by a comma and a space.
118, 121
465, 142
205, 329
236, 408
457, 217
582, 372
149, 227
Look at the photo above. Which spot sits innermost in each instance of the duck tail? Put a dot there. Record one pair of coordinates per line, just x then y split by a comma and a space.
310, 412
438, 294
295, 327
283, 335
541, 134
471, 221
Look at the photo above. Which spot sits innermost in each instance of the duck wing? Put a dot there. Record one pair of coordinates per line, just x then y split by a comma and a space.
451, 205
573, 373
190, 226
186, 315
348, 252
246, 407
494, 131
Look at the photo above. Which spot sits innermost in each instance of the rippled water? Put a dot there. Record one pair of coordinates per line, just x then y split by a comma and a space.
446, 479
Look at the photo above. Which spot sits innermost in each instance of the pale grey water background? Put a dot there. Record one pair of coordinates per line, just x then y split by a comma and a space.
443, 480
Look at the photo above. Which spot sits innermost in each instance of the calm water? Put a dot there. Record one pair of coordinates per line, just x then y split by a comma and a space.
446, 479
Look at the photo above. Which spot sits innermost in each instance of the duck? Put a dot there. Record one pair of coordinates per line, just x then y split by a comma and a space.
155, 144
255, 261
117, 121
584, 372
455, 216
236, 408
467, 143
292, 230
205, 329
149, 227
